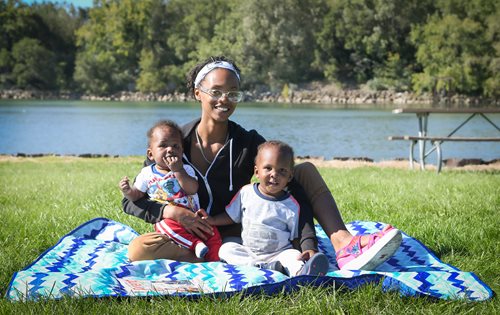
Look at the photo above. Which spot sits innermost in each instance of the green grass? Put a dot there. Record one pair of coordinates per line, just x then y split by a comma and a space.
455, 214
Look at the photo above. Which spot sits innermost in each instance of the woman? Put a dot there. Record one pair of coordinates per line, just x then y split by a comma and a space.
223, 153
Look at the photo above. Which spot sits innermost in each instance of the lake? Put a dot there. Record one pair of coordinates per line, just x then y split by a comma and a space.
119, 128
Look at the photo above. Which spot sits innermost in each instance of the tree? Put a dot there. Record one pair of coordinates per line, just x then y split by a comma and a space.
451, 53
13, 26
34, 65
56, 27
476, 10
151, 78
190, 28
492, 83
6, 62
120, 40
359, 39
273, 39
52, 25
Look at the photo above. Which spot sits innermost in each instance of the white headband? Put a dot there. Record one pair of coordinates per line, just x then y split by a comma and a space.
211, 66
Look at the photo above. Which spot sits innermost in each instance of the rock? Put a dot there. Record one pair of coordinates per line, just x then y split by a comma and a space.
362, 159
309, 157
463, 162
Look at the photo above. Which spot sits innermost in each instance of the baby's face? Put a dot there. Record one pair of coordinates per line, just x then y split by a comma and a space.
165, 142
274, 171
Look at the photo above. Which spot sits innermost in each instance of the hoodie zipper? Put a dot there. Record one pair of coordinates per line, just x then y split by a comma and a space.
205, 177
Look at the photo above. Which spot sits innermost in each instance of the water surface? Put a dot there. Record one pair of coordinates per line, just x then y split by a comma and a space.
119, 128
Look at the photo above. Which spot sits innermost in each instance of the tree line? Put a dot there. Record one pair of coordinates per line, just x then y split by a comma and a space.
435, 46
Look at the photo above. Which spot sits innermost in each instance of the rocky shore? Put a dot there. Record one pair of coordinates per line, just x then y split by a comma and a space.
319, 94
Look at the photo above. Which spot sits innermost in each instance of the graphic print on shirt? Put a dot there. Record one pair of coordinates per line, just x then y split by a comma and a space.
268, 224
165, 188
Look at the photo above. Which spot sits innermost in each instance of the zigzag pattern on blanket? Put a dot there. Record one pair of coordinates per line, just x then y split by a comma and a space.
414, 270
92, 261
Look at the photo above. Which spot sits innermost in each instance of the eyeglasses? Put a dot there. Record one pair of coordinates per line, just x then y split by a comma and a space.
233, 96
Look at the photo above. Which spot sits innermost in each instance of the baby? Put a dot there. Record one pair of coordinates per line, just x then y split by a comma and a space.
168, 180
270, 218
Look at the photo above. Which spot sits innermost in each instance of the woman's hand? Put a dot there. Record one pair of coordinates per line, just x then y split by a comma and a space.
197, 226
191, 222
219, 219
204, 215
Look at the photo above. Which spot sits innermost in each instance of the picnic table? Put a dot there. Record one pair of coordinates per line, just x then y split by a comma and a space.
435, 141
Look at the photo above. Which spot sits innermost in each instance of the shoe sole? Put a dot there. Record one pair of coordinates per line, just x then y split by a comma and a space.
316, 266
276, 266
376, 255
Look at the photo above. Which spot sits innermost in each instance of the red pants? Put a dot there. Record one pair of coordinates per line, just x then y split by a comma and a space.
177, 233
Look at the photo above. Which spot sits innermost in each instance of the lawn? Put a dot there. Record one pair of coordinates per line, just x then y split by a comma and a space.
454, 213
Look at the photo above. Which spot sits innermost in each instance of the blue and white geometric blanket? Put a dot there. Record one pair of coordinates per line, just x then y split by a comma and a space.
91, 261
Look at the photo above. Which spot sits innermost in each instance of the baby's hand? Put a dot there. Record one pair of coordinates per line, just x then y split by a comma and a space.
124, 185
306, 255
174, 163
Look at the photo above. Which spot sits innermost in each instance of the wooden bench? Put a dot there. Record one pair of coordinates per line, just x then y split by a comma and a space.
436, 143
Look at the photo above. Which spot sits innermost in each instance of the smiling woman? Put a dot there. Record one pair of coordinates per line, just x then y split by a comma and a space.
223, 155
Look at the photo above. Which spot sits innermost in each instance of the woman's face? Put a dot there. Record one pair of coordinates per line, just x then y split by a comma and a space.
219, 109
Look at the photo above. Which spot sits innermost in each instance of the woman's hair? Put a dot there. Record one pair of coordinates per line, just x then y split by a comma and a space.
164, 124
191, 77
283, 148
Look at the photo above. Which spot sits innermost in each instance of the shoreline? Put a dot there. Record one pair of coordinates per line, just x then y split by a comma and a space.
318, 94
470, 164
448, 164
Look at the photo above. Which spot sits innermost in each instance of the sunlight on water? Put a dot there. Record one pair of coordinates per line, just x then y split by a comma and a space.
76, 127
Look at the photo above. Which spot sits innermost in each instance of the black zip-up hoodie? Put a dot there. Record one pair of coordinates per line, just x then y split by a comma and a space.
232, 168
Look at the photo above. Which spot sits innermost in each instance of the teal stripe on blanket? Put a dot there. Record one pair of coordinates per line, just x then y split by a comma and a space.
91, 261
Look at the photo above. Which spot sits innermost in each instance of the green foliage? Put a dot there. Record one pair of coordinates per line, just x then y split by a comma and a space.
451, 53
492, 83
15, 22
121, 40
278, 40
13, 26
448, 46
100, 73
285, 92
193, 35
193, 25
56, 30
105, 61
477, 10
34, 65
53, 29
392, 75
5, 68
358, 38
150, 78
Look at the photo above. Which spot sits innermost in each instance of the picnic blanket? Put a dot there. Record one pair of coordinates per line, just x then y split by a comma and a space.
91, 261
